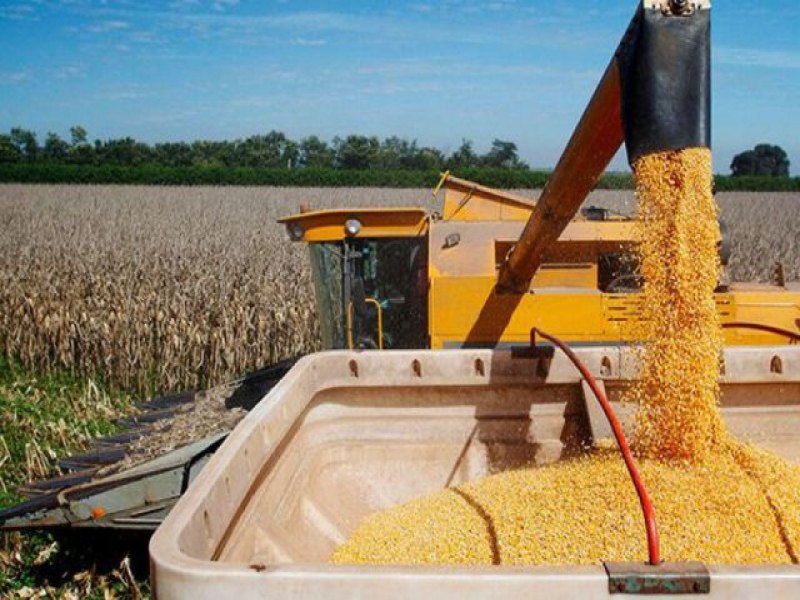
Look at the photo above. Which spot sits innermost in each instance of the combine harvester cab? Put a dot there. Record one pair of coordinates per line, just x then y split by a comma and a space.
347, 434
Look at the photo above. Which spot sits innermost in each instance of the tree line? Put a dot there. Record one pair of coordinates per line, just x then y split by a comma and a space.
269, 151
274, 159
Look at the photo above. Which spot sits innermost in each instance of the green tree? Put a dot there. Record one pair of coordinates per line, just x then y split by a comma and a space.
425, 159
394, 153
463, 157
356, 151
8, 150
80, 151
77, 135
55, 148
503, 155
316, 153
763, 160
213, 153
123, 151
261, 150
173, 154
290, 154
25, 143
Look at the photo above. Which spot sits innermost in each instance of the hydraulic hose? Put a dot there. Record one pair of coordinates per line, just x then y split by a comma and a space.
651, 530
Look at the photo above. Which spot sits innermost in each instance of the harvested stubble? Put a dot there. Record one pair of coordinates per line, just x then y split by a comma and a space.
202, 418
716, 500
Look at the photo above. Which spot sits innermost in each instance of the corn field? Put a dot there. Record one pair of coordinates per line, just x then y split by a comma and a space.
154, 288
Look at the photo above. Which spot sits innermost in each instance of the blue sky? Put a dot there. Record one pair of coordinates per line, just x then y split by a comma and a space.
434, 71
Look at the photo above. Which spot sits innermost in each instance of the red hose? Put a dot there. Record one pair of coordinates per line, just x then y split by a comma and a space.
653, 549
793, 337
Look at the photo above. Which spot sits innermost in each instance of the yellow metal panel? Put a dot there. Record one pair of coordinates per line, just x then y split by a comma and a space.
598, 231
482, 245
468, 201
577, 275
328, 225
468, 310
461, 205
774, 307
510, 212
620, 314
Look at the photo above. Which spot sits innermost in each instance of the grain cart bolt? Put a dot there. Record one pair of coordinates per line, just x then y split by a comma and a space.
680, 7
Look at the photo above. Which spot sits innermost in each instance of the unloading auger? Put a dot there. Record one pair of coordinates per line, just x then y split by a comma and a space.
654, 96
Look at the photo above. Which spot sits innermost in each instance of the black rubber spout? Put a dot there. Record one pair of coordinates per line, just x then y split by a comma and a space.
665, 72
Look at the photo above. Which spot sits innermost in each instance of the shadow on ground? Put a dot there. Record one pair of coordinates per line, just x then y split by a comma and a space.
85, 562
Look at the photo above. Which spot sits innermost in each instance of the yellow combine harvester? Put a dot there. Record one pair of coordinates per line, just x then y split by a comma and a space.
490, 265
407, 278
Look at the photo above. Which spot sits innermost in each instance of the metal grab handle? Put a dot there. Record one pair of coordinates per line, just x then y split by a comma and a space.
442, 179
378, 308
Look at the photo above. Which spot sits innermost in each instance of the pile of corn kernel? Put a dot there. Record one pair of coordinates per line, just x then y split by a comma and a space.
716, 500
584, 511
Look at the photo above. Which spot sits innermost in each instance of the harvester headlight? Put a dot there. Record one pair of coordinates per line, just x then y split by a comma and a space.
295, 231
352, 226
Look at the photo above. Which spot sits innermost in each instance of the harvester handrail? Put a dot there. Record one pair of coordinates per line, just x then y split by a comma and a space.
651, 530
378, 308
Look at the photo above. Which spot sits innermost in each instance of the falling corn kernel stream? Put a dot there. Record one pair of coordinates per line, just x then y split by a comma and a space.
717, 500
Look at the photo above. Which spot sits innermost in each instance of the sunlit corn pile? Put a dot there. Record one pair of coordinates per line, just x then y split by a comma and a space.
583, 511
716, 500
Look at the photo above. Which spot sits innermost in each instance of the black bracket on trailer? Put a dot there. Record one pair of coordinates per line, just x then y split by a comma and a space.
666, 578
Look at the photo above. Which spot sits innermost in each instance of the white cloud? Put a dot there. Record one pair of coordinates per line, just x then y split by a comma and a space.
224, 4
124, 96
308, 42
751, 57
144, 37
107, 26
17, 12
167, 117
183, 4
127, 92
14, 78
67, 72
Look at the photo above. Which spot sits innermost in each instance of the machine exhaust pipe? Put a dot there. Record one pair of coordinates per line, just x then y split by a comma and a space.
655, 96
